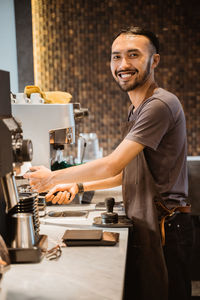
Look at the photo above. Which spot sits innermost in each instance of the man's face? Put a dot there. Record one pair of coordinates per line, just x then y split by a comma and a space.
131, 61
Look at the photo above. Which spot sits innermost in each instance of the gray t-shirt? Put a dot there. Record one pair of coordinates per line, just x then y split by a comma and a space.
160, 127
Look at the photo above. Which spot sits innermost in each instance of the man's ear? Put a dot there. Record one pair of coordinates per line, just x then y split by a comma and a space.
155, 60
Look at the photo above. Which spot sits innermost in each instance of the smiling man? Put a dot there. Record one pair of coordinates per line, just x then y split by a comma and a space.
150, 163
131, 67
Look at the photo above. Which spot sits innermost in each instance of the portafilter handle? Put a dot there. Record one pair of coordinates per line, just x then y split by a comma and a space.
109, 203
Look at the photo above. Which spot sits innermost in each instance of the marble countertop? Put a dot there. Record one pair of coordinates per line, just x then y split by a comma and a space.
92, 273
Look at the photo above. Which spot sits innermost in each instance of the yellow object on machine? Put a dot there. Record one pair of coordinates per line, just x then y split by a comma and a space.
49, 97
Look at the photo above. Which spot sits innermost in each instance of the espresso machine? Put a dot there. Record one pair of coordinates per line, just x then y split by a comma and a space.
49, 126
10, 151
14, 150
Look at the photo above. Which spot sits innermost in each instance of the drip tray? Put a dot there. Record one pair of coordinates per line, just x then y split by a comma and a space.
68, 213
29, 255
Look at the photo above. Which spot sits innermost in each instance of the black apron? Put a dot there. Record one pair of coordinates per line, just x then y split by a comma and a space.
139, 193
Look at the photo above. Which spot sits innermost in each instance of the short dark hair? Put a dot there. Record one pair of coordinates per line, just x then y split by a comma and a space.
141, 31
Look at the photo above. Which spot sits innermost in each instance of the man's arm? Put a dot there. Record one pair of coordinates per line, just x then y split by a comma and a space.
103, 184
67, 192
43, 179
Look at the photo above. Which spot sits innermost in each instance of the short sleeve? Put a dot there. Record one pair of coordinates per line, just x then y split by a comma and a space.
152, 123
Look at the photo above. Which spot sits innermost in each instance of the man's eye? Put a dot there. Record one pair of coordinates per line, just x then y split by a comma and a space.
133, 55
115, 57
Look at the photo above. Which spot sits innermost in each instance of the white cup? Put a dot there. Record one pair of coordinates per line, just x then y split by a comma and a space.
21, 98
36, 98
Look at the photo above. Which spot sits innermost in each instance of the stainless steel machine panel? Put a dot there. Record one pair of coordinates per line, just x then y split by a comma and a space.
40, 121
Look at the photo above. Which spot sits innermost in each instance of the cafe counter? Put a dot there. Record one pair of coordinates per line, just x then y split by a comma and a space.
87, 272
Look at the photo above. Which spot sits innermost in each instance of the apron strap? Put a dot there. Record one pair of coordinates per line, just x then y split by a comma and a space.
166, 212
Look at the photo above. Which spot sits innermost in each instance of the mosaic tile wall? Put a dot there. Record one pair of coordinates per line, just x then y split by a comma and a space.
72, 39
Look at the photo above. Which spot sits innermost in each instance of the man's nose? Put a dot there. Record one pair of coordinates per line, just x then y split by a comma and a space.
125, 63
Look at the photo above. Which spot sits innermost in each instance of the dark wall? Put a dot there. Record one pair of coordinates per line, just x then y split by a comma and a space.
72, 41
23, 23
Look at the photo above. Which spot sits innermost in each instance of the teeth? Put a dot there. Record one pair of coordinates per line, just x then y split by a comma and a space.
125, 75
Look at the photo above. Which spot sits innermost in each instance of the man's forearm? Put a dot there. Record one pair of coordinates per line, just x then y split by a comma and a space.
91, 171
102, 168
103, 184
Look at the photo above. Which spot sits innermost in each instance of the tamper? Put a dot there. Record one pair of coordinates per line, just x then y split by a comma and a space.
109, 216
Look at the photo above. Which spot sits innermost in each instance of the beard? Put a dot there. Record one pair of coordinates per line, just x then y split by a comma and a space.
138, 81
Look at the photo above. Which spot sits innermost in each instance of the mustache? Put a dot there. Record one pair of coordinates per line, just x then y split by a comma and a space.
126, 70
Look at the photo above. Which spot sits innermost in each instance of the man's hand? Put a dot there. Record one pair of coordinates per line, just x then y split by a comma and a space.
65, 195
40, 178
